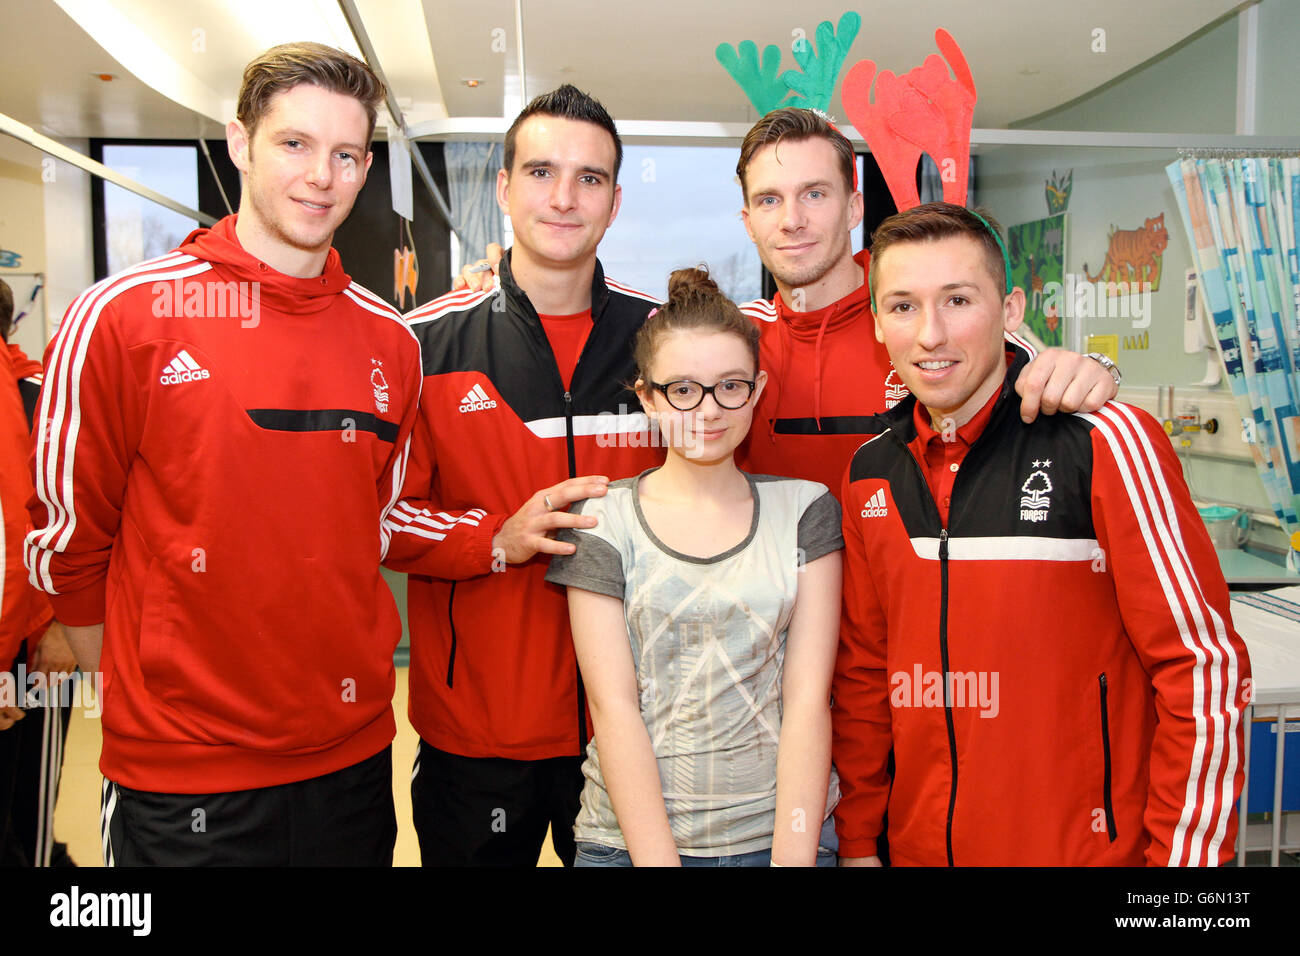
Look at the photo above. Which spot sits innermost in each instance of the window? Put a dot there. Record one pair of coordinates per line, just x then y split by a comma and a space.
132, 228
681, 207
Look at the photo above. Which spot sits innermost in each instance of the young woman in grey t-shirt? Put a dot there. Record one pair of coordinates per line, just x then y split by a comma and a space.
705, 613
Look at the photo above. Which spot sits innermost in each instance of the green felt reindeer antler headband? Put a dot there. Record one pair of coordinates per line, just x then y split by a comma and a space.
812, 85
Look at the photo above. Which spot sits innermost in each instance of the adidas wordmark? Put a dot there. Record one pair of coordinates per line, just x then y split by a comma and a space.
183, 368
476, 400
876, 507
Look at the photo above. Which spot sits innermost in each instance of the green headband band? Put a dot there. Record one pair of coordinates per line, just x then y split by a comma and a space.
1006, 260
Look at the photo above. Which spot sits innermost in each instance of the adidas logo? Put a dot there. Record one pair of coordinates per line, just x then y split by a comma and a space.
476, 400
876, 507
182, 368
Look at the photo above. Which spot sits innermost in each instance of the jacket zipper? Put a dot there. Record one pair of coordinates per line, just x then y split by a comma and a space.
573, 473
943, 640
568, 434
451, 620
943, 623
1105, 750
947, 683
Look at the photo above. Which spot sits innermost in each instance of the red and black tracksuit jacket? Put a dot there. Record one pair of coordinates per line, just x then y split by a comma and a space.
1056, 668
493, 670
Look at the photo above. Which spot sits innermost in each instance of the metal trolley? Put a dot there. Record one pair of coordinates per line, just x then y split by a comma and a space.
1269, 623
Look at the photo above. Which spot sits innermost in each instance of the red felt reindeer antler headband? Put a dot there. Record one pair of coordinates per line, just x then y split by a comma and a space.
923, 111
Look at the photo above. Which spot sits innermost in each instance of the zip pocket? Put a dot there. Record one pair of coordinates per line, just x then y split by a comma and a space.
1105, 750
451, 621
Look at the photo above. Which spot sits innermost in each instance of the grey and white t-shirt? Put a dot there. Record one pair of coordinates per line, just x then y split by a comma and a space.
708, 640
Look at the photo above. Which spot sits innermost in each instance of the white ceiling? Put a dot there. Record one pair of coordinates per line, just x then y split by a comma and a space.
644, 60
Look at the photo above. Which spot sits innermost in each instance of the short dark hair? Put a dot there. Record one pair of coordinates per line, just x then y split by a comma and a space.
795, 124
6, 310
940, 220
695, 303
566, 102
283, 67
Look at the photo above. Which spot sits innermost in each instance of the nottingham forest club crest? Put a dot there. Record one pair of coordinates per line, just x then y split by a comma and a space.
895, 390
1036, 503
379, 384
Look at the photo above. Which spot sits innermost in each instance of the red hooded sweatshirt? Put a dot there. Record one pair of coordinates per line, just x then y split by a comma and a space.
218, 445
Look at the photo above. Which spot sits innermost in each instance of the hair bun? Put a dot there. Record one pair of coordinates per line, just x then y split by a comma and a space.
683, 284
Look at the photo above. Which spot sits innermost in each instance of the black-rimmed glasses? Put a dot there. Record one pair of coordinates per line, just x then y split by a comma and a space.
730, 393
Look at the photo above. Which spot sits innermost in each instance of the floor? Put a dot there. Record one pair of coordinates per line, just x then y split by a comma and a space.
76, 818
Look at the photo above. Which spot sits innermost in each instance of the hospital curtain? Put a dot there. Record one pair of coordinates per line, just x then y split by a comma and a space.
1242, 216
472, 182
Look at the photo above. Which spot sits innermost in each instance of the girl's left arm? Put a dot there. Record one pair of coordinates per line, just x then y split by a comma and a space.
803, 763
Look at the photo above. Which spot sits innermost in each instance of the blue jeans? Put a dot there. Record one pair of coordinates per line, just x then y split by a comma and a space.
597, 854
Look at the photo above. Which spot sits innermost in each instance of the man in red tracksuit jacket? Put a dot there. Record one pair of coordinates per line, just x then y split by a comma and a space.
221, 433
25, 615
525, 388
34, 752
1110, 734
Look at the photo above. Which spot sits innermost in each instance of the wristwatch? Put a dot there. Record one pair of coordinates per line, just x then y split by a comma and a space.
1108, 365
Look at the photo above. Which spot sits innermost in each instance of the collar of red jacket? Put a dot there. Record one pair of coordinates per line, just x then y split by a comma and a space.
841, 312
599, 289
281, 293
23, 366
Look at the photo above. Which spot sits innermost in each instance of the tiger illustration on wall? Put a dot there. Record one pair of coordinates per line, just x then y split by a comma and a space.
1134, 255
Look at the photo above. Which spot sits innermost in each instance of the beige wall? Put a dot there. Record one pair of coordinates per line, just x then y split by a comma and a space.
45, 217
22, 231
69, 243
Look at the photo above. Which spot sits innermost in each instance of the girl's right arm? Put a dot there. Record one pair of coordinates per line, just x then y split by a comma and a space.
627, 759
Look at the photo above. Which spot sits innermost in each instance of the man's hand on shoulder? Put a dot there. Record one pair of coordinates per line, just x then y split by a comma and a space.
477, 276
528, 531
1058, 380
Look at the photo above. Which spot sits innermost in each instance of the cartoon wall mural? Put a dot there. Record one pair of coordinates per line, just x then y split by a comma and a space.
1057, 189
1037, 252
1133, 256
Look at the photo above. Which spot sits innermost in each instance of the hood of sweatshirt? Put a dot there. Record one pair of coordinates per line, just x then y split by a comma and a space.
273, 289
813, 326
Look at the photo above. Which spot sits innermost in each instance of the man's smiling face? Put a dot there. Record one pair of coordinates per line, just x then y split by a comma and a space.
941, 316
800, 212
560, 195
303, 168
